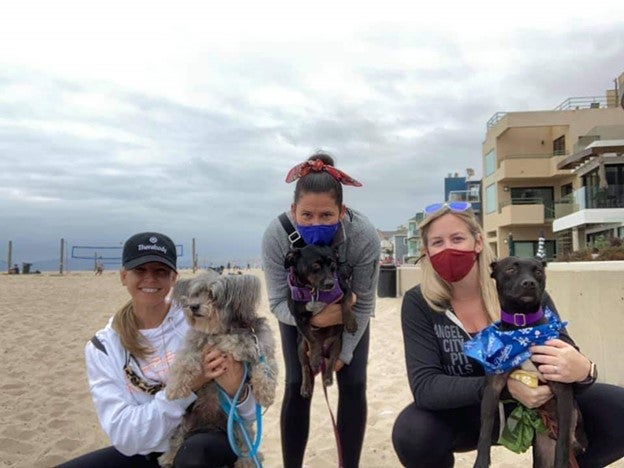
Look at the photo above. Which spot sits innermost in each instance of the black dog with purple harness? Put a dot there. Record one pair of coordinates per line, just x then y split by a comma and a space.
314, 282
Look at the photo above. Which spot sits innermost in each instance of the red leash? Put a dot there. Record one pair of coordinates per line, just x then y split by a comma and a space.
331, 413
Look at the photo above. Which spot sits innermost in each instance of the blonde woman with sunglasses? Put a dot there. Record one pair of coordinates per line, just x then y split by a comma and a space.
128, 363
455, 300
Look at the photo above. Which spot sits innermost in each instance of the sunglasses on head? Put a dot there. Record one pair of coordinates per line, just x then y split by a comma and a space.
453, 206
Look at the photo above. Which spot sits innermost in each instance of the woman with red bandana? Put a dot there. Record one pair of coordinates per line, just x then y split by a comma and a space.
455, 300
319, 217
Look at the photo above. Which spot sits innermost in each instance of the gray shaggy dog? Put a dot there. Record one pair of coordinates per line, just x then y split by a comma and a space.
222, 311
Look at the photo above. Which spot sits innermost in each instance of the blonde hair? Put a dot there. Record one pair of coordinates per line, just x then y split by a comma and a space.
126, 325
435, 290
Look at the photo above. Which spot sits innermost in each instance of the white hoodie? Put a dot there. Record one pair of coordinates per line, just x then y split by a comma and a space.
135, 422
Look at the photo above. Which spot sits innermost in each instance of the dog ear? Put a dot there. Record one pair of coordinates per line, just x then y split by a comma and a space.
492, 267
291, 258
183, 301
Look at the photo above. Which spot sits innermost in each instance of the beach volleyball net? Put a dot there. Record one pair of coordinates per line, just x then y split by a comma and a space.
107, 255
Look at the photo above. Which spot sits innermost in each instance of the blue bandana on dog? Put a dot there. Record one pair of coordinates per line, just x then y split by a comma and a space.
500, 351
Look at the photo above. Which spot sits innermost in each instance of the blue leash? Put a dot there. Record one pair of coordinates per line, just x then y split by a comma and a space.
229, 407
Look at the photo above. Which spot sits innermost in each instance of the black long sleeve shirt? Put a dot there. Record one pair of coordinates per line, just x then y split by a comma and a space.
440, 375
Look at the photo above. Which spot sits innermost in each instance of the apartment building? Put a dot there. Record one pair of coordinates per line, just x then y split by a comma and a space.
526, 185
393, 245
594, 211
413, 239
463, 188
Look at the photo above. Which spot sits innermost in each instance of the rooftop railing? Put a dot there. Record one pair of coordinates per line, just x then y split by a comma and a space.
574, 103
586, 102
494, 119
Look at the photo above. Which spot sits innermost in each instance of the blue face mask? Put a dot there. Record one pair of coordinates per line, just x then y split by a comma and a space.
318, 234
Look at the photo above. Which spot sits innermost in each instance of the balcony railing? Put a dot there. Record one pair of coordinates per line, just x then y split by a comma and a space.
549, 208
611, 196
531, 155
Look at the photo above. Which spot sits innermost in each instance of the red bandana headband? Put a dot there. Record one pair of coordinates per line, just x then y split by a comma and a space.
318, 166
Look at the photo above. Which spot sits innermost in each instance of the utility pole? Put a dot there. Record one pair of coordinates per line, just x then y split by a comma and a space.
194, 256
10, 257
62, 256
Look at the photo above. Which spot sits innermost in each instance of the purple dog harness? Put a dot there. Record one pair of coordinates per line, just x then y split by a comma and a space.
303, 293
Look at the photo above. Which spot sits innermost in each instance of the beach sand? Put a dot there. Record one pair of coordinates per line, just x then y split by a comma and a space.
46, 414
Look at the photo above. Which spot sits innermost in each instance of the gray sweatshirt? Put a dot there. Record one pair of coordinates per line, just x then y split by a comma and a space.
358, 250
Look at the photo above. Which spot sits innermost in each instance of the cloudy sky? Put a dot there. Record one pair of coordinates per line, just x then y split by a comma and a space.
184, 117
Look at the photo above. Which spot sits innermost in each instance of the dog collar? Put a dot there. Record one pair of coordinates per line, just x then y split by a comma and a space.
499, 351
302, 293
522, 320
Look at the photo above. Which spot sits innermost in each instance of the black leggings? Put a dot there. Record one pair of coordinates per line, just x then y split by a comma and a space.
295, 416
424, 438
206, 449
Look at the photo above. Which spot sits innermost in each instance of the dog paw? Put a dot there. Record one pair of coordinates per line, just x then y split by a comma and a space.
482, 462
166, 460
351, 325
306, 390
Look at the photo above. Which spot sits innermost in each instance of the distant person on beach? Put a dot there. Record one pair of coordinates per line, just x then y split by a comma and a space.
99, 267
128, 363
320, 217
455, 300
15, 270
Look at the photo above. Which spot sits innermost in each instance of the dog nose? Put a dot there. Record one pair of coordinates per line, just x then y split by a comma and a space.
529, 283
194, 309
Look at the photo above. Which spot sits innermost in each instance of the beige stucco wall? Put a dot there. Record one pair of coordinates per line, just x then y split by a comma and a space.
590, 296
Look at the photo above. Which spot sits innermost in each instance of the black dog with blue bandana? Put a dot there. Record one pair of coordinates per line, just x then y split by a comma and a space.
520, 283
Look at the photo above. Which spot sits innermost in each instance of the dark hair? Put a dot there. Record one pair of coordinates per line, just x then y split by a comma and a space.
319, 182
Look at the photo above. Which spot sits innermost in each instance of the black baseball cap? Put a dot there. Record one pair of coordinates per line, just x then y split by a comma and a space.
148, 247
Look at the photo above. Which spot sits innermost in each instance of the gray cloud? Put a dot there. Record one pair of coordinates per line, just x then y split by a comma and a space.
93, 160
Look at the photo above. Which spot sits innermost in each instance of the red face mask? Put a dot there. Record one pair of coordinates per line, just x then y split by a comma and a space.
453, 265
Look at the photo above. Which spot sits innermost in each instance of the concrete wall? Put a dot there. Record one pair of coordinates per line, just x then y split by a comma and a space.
590, 297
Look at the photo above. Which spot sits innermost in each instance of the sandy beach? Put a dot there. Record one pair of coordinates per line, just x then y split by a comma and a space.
46, 414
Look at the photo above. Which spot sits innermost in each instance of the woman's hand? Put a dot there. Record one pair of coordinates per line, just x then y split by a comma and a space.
560, 362
330, 315
529, 396
220, 367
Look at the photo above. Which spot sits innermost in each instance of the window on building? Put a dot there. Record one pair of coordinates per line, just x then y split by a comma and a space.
535, 196
559, 146
490, 162
615, 174
566, 190
528, 249
490, 198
